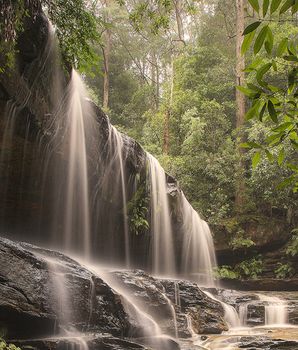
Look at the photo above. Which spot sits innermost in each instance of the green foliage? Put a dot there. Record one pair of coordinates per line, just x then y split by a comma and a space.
11, 24
241, 242
77, 29
5, 346
76, 25
284, 270
137, 209
226, 271
292, 248
250, 268
274, 94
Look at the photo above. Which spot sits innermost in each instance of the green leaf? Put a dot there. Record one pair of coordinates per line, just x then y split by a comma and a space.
256, 159
286, 182
282, 47
269, 155
252, 27
252, 112
269, 41
250, 145
292, 48
272, 111
281, 157
274, 5
248, 92
265, 7
291, 58
295, 8
260, 39
261, 72
255, 88
287, 4
254, 4
261, 115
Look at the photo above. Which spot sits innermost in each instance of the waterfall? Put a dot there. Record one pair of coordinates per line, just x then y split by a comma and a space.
198, 254
163, 259
230, 314
276, 311
77, 209
116, 159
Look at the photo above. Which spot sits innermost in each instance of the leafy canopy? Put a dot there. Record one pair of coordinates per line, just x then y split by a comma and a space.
272, 83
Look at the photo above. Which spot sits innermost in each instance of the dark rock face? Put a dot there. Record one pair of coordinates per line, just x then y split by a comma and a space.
176, 304
29, 295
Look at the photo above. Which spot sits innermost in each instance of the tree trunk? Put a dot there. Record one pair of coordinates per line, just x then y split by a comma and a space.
168, 113
178, 12
240, 103
106, 61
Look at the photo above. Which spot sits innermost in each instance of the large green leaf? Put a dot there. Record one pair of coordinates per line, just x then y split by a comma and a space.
250, 28
261, 72
254, 4
272, 111
260, 39
281, 156
269, 41
247, 42
282, 47
274, 5
286, 5
256, 159
265, 7
253, 111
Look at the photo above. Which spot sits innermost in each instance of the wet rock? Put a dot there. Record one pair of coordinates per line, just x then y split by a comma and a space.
263, 343
31, 295
206, 314
99, 342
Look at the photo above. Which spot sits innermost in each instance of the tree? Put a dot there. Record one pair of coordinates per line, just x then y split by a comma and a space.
274, 102
240, 102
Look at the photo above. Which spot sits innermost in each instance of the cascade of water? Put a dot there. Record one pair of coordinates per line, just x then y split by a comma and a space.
162, 236
243, 314
198, 255
133, 308
60, 291
62, 303
230, 314
276, 311
116, 149
77, 209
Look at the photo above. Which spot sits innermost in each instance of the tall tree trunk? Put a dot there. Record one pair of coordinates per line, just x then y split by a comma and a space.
106, 62
178, 12
168, 113
240, 103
